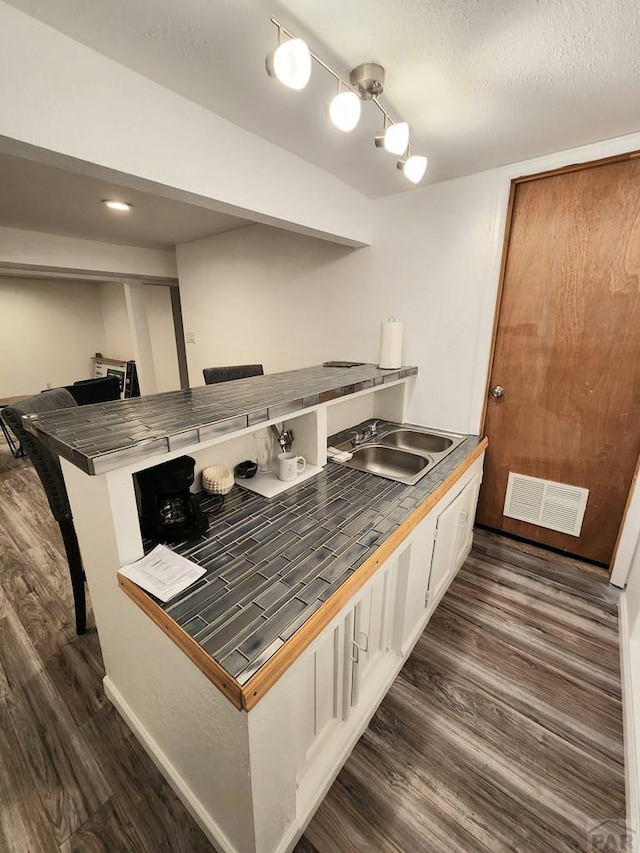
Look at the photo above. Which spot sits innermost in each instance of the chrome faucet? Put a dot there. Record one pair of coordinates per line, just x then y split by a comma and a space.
369, 432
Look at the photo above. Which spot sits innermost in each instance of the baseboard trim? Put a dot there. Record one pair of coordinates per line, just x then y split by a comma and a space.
629, 651
210, 828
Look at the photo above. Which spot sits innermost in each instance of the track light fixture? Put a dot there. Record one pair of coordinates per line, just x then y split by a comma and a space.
394, 137
413, 167
344, 110
290, 63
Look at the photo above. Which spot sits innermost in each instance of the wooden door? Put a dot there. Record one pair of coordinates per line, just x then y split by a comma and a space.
567, 351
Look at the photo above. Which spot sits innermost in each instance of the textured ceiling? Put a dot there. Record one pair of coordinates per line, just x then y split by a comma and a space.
481, 82
39, 197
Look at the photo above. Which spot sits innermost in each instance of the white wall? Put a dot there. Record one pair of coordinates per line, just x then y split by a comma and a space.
71, 254
50, 331
260, 294
119, 343
163, 342
433, 271
60, 96
52, 328
264, 295
116, 321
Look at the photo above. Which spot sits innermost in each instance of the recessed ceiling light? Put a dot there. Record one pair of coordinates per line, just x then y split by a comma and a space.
112, 204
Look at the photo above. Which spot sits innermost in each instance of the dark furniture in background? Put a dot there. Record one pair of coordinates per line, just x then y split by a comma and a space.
47, 467
14, 447
234, 371
88, 391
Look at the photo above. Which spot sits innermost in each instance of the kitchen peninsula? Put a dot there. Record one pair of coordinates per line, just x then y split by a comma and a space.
250, 689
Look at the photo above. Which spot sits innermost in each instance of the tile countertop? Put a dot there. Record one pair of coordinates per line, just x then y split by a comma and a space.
106, 436
271, 564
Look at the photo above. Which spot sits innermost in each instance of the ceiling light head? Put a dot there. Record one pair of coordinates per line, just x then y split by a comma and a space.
344, 111
413, 167
290, 63
395, 138
120, 206
368, 80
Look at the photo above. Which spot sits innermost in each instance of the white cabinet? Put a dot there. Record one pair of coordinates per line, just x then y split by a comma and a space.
321, 684
345, 673
372, 619
436, 550
414, 572
344, 667
453, 537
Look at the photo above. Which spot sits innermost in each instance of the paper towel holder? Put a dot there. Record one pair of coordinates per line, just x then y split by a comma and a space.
390, 344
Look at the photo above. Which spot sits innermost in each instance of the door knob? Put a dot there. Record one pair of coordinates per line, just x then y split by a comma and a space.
497, 392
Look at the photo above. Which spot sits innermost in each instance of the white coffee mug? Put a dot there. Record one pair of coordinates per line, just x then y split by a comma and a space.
290, 465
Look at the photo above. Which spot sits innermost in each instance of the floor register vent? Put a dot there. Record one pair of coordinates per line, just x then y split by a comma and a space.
548, 504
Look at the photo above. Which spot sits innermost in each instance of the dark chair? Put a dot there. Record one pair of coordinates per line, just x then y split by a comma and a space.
47, 467
101, 390
235, 371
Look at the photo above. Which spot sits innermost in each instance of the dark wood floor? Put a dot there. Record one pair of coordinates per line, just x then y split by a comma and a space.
503, 731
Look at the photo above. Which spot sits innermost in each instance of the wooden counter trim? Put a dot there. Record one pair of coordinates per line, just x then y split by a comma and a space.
205, 663
247, 696
276, 666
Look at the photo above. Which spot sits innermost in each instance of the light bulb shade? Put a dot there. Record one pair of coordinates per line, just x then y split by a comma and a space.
344, 111
396, 138
414, 168
290, 63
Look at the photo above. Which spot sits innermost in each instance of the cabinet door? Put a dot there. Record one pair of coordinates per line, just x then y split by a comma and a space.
372, 624
467, 504
414, 570
453, 537
321, 693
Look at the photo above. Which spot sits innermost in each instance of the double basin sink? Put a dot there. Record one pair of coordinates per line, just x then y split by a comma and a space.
401, 453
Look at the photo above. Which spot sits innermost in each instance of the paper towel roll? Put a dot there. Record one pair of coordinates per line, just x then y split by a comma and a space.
390, 344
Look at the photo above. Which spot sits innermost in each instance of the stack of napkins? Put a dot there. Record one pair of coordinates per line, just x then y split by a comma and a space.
338, 455
163, 573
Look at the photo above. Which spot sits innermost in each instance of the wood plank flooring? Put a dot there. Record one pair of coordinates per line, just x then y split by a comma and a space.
503, 731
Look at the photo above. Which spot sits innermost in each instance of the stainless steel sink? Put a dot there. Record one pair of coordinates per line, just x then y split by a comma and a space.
420, 442
402, 453
389, 462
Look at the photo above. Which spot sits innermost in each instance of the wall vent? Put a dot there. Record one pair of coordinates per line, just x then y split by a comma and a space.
548, 504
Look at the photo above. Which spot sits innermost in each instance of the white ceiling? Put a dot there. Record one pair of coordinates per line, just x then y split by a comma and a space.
40, 197
481, 82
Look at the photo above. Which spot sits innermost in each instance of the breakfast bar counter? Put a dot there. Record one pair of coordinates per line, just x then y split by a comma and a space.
107, 436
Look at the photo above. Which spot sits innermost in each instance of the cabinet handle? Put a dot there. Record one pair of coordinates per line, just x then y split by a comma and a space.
464, 516
363, 646
355, 652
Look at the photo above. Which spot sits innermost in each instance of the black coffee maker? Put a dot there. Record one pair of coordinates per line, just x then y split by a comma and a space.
168, 510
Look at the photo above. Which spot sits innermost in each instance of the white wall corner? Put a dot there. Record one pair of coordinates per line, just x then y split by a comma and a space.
141, 337
630, 671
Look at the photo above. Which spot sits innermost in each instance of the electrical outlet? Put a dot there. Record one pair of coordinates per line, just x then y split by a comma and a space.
190, 337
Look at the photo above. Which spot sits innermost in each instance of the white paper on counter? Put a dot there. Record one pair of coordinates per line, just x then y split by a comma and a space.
162, 572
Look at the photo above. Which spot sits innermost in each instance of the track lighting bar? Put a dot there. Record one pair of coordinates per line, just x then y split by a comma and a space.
291, 64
